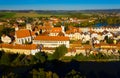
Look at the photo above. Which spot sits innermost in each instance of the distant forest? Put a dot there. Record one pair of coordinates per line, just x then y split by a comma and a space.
65, 11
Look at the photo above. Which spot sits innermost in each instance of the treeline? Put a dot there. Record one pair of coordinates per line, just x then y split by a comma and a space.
42, 65
34, 66
109, 21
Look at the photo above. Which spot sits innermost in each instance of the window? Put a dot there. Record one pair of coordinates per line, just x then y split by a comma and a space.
22, 41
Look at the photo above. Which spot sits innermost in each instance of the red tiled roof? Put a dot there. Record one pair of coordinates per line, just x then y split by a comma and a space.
32, 33
87, 46
73, 30
56, 30
19, 46
52, 38
44, 27
23, 33
108, 45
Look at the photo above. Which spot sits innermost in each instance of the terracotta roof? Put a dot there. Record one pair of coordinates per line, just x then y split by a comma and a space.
44, 27
56, 30
19, 46
52, 38
70, 32
108, 46
73, 30
87, 46
23, 33
61, 34
46, 33
32, 33
48, 48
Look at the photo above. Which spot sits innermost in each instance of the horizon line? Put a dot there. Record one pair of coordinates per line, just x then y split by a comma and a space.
58, 9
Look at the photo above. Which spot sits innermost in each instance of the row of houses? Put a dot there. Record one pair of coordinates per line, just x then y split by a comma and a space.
52, 37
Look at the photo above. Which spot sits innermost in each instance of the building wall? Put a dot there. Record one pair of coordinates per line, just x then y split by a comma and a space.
20, 51
23, 40
51, 43
108, 29
53, 34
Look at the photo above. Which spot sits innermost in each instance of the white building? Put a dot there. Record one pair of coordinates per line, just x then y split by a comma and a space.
101, 29
56, 30
29, 27
5, 39
20, 48
51, 41
24, 35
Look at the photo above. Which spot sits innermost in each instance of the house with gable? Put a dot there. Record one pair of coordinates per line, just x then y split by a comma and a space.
57, 30
24, 35
73, 33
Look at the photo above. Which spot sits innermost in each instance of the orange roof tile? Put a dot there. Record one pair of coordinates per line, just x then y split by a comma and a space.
23, 33
44, 27
56, 30
52, 38
32, 33
19, 46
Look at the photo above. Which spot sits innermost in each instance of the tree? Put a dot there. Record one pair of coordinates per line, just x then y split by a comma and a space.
49, 74
59, 52
1, 53
74, 74
41, 57
119, 53
17, 60
35, 73
32, 59
5, 60
55, 75
7, 30
12, 75
108, 40
41, 73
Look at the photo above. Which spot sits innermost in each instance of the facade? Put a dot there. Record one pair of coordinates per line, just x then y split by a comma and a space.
21, 49
5, 39
112, 29
29, 27
56, 30
101, 29
51, 41
24, 35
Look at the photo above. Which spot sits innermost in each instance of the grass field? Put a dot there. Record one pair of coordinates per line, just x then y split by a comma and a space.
27, 15
37, 15
30, 14
7, 14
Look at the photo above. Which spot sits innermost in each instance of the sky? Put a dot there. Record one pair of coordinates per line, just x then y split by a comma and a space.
58, 4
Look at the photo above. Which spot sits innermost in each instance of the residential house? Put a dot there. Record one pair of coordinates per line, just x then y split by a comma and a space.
56, 30
73, 33
44, 29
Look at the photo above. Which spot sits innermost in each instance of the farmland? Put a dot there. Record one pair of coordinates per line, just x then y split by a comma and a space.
27, 14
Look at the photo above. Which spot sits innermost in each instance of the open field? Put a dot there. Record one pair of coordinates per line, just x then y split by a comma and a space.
36, 15
29, 14
7, 14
